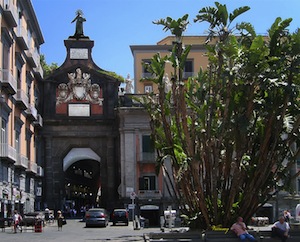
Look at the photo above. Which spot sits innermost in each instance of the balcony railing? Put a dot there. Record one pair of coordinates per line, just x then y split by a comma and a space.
9, 83
39, 121
32, 167
8, 152
21, 99
38, 71
33, 57
148, 157
146, 75
147, 194
22, 38
10, 13
22, 161
31, 112
188, 74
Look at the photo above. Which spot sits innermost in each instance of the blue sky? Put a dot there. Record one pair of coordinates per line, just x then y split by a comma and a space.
114, 25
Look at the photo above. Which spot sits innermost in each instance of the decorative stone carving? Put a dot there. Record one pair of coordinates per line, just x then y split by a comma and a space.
79, 88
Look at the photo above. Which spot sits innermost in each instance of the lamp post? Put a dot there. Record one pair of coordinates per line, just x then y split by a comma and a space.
132, 197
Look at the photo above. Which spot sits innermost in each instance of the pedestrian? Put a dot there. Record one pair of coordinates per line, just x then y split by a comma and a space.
17, 219
60, 219
281, 229
287, 215
240, 230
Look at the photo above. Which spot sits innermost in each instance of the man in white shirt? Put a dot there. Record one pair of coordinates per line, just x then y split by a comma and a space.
281, 229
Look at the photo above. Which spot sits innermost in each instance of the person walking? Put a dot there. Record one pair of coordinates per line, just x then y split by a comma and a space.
17, 219
240, 229
60, 219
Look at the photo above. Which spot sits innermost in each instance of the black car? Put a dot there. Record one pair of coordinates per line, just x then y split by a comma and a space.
120, 215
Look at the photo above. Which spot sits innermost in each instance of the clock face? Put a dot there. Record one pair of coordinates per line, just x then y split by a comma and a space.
76, 53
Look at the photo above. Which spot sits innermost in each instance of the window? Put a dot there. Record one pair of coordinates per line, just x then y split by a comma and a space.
146, 73
28, 143
148, 149
17, 141
148, 88
18, 126
28, 89
27, 184
188, 69
5, 56
4, 171
17, 178
29, 37
147, 183
3, 135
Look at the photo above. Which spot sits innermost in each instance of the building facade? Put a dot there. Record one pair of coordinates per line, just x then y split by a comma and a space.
143, 54
20, 165
80, 132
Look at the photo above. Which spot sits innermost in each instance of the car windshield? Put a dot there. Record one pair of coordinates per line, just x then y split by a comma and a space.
96, 211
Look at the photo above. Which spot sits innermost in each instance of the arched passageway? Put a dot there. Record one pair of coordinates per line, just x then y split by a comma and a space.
82, 180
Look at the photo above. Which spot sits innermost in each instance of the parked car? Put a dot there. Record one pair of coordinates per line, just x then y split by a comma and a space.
29, 219
120, 215
96, 217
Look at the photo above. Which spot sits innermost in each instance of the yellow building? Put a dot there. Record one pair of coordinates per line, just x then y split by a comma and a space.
143, 54
20, 69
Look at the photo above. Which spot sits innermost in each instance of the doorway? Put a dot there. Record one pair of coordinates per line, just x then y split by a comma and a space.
82, 181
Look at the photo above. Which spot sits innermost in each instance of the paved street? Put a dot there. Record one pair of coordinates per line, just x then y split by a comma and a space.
75, 231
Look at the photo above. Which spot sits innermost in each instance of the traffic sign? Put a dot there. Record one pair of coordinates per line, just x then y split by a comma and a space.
132, 195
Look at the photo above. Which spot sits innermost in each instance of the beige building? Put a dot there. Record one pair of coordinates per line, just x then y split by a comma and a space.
144, 53
20, 69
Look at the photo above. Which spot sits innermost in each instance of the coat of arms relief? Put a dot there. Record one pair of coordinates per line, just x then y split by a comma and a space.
80, 88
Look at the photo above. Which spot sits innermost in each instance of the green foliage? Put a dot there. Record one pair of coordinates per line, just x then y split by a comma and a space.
48, 69
113, 74
177, 27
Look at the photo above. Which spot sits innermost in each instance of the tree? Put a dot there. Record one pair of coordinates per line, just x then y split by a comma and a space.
48, 69
232, 132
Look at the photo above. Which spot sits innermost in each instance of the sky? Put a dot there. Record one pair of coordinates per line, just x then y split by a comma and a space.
115, 25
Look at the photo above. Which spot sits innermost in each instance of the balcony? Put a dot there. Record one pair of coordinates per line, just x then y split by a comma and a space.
9, 83
22, 162
39, 121
148, 157
186, 75
21, 99
8, 153
38, 72
40, 171
146, 75
33, 57
149, 194
22, 38
32, 167
10, 13
31, 112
